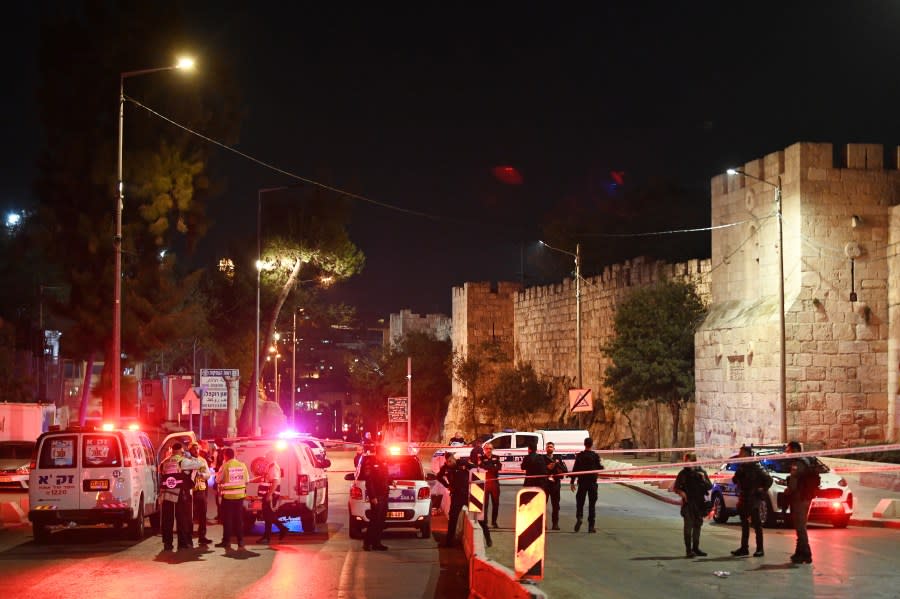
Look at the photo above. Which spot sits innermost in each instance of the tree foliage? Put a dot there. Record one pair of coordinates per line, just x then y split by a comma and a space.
653, 349
380, 377
521, 393
474, 370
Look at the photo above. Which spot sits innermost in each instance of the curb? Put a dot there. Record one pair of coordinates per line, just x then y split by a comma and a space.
646, 491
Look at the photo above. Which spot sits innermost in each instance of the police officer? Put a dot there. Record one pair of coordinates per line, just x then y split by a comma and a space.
200, 499
175, 483
269, 492
378, 485
801, 489
555, 468
492, 466
752, 482
535, 467
454, 475
232, 486
692, 484
586, 461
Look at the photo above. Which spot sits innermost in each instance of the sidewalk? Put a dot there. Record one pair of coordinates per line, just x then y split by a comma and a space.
866, 498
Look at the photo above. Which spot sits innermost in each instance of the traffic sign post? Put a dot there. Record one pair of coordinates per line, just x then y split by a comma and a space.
581, 400
531, 507
215, 389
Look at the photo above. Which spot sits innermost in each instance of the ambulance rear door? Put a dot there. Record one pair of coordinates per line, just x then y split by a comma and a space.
53, 484
105, 481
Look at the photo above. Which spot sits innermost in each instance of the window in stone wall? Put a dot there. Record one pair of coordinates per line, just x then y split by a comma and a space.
735, 368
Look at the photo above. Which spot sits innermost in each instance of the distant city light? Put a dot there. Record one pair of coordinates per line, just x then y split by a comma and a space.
13, 219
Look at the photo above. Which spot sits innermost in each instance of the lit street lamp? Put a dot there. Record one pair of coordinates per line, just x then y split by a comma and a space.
577, 256
183, 64
782, 384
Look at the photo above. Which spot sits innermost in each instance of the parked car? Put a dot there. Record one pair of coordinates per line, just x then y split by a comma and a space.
409, 499
833, 503
304, 482
317, 447
15, 459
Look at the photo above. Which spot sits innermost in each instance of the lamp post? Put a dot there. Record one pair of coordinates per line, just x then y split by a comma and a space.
782, 366
182, 64
577, 256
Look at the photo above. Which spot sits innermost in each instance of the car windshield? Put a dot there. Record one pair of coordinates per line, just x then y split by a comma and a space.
784, 466
406, 467
16, 451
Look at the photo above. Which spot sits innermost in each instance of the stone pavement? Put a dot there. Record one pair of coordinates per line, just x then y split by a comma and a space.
866, 497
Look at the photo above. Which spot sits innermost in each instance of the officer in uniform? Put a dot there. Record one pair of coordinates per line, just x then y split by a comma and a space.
232, 486
200, 493
175, 485
492, 466
556, 468
269, 492
378, 484
752, 482
586, 461
535, 467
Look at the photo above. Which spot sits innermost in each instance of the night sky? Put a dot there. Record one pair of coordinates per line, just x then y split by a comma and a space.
414, 104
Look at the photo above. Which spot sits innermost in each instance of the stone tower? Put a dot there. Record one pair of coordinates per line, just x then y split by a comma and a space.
840, 227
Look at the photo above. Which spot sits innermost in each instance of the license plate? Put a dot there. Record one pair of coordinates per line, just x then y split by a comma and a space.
396, 515
96, 484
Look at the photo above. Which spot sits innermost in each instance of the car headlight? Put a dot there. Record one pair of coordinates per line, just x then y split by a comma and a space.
842, 482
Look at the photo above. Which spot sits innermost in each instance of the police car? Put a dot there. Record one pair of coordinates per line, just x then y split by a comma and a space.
833, 503
409, 498
93, 476
304, 481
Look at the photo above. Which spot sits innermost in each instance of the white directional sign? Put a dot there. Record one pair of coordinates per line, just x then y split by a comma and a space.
215, 389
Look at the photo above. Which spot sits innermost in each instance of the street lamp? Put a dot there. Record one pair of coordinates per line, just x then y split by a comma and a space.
577, 256
182, 64
782, 383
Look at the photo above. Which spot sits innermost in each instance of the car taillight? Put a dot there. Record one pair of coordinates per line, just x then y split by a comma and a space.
22, 470
356, 493
424, 493
303, 484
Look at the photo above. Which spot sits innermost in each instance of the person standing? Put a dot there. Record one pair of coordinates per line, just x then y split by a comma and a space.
752, 482
175, 485
492, 466
200, 493
535, 467
555, 468
586, 461
803, 484
270, 492
458, 438
692, 484
378, 485
233, 478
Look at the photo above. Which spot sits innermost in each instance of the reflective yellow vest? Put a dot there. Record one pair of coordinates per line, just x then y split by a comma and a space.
233, 478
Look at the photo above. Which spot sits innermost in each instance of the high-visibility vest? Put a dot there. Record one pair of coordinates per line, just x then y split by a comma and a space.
234, 476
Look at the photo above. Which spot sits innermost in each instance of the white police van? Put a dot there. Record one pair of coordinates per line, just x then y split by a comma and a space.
93, 476
304, 482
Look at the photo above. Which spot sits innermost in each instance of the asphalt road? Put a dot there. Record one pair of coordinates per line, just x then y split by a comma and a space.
638, 552
97, 562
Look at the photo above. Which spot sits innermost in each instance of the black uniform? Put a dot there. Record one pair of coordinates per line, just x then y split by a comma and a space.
802, 487
456, 479
695, 483
492, 466
752, 482
535, 467
556, 467
377, 487
586, 461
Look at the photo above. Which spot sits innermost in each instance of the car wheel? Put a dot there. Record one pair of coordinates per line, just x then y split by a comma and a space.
841, 521
425, 530
322, 517
766, 515
720, 513
136, 526
356, 531
41, 533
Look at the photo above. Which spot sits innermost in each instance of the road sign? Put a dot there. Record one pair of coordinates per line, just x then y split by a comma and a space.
476, 492
215, 389
531, 506
398, 409
581, 400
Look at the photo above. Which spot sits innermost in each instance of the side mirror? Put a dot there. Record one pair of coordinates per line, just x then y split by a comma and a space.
350, 476
324, 463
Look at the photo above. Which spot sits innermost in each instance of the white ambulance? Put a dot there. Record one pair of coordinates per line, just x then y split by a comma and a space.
93, 476
304, 482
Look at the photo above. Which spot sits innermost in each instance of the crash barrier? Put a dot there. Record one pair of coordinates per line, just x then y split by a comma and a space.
14, 512
887, 508
487, 578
